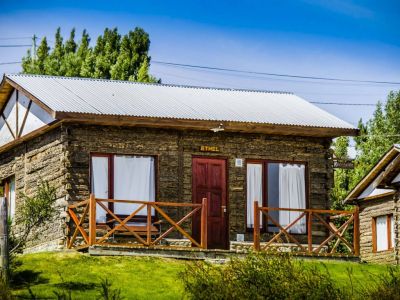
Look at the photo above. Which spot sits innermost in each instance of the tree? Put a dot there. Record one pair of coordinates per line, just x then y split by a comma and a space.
32, 213
376, 137
54, 61
112, 57
341, 176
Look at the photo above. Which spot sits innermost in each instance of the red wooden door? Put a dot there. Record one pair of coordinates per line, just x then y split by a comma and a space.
209, 181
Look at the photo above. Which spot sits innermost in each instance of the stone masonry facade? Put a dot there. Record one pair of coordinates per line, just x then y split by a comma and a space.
62, 156
42, 158
368, 210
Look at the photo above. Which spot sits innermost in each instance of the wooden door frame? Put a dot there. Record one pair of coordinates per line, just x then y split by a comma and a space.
226, 160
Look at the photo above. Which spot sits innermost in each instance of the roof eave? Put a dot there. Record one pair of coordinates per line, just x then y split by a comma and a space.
373, 173
229, 126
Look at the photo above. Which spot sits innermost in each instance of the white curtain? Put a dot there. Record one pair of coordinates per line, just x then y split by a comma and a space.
100, 184
381, 233
254, 191
11, 200
292, 195
133, 180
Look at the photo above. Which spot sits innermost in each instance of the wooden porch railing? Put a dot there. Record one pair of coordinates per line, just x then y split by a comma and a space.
85, 212
327, 218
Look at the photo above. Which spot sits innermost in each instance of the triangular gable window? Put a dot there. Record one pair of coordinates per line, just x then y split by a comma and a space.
21, 116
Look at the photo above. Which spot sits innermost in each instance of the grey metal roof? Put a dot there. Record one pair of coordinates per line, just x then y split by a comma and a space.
112, 97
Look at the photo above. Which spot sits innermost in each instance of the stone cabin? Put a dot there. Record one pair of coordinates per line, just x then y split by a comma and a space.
377, 196
154, 142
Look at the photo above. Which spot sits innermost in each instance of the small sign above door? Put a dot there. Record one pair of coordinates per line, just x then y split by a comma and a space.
209, 149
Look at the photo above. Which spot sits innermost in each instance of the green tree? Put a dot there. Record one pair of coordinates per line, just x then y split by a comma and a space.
106, 52
54, 61
376, 137
112, 57
341, 176
36, 65
71, 65
133, 62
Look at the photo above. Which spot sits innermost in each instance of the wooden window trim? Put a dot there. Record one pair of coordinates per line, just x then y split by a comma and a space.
110, 157
388, 233
264, 163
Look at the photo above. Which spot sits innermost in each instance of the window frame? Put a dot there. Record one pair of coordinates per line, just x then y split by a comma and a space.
264, 163
110, 157
390, 247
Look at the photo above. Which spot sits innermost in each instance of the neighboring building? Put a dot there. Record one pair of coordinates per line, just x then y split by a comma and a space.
126, 140
377, 196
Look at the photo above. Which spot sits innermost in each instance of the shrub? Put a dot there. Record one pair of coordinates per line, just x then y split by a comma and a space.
5, 291
259, 276
387, 286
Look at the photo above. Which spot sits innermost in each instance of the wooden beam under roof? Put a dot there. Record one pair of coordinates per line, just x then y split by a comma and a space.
186, 124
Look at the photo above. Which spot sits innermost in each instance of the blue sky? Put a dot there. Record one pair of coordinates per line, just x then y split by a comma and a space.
336, 38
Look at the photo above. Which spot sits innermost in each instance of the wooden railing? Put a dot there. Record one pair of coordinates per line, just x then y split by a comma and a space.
335, 222
84, 213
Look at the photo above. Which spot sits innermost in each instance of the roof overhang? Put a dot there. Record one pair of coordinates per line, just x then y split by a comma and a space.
383, 172
187, 124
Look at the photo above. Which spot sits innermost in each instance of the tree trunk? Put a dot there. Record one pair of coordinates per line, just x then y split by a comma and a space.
4, 261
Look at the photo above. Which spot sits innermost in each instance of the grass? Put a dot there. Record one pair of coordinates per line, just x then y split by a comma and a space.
137, 277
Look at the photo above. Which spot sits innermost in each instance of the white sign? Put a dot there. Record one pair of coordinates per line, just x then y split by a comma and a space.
240, 237
239, 162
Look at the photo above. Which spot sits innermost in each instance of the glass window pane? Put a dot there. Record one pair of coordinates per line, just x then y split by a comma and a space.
254, 191
11, 198
100, 184
133, 180
392, 230
286, 189
381, 233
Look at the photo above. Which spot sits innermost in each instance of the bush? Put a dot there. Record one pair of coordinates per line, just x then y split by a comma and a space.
5, 291
387, 286
260, 276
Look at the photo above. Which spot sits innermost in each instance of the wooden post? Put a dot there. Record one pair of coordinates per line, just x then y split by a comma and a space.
203, 224
92, 220
148, 224
309, 232
256, 234
356, 233
4, 259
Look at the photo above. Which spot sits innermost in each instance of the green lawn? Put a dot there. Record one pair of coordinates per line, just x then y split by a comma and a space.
137, 277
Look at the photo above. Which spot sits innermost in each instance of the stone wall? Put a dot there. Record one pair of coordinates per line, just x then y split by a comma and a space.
62, 156
369, 210
41, 158
174, 151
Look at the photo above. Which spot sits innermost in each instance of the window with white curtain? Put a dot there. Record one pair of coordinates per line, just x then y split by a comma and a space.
9, 193
254, 190
100, 182
131, 177
384, 232
133, 180
285, 188
392, 231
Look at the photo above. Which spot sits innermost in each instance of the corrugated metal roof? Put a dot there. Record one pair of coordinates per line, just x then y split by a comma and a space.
112, 97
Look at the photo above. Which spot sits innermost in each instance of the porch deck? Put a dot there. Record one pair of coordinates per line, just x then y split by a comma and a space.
117, 236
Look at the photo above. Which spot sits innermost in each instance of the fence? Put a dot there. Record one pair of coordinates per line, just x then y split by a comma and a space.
84, 213
336, 222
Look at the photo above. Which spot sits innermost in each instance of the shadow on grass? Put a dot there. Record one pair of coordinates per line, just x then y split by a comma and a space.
76, 286
27, 278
